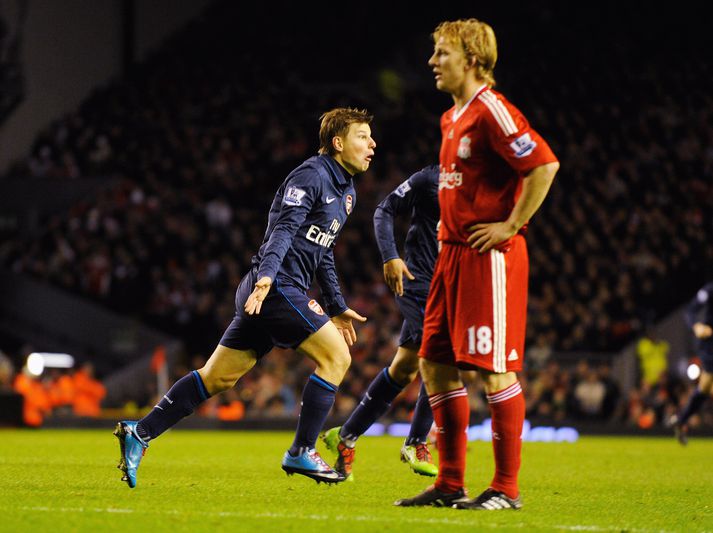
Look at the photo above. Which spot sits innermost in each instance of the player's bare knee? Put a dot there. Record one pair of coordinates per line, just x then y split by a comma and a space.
333, 365
341, 361
404, 367
705, 383
217, 379
439, 377
426, 369
216, 383
403, 372
496, 382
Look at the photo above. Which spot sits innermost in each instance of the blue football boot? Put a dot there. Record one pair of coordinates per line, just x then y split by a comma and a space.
133, 449
309, 463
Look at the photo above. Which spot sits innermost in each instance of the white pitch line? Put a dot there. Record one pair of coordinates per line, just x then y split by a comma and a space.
340, 518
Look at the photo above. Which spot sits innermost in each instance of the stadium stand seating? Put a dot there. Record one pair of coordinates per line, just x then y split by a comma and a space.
200, 136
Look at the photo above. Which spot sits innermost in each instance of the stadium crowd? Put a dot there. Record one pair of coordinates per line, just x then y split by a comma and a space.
198, 148
555, 393
74, 392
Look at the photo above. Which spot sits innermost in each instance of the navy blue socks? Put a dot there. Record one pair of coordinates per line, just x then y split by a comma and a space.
422, 419
373, 405
179, 402
317, 399
694, 404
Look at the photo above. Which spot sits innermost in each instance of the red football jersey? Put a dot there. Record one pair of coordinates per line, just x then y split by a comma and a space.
488, 146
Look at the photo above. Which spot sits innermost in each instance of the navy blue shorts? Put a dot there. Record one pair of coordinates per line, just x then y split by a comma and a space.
707, 363
412, 306
287, 317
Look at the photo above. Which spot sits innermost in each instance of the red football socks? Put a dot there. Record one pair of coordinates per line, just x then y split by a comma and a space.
507, 408
451, 414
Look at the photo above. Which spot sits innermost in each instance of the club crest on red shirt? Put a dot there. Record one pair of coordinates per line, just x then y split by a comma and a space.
315, 307
464, 148
348, 203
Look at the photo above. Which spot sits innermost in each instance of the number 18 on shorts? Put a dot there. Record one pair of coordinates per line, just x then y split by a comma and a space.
477, 308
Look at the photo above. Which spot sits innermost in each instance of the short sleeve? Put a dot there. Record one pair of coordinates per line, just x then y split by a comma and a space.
512, 137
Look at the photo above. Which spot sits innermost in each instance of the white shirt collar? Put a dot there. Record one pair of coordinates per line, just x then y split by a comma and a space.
458, 112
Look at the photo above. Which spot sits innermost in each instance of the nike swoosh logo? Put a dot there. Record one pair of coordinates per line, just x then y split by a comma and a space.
329, 200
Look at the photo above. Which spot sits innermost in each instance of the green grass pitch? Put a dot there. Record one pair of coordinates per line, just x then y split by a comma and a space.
232, 481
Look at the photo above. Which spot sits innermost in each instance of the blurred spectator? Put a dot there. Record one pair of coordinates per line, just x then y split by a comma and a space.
653, 357
7, 373
88, 392
230, 408
37, 402
610, 405
590, 394
548, 394
61, 390
538, 353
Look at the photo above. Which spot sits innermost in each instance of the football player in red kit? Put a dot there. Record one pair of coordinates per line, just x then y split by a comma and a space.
495, 171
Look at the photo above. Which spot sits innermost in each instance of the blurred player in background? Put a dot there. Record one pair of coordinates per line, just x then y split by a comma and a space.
495, 171
418, 197
272, 305
699, 317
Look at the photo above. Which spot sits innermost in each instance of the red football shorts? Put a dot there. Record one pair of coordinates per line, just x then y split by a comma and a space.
477, 308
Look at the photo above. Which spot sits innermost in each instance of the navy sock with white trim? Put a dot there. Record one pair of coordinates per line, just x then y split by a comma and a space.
376, 401
317, 399
179, 402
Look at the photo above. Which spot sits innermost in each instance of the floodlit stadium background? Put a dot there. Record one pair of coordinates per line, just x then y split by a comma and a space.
141, 144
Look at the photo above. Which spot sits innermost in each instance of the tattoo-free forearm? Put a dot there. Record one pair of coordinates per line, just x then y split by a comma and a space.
534, 189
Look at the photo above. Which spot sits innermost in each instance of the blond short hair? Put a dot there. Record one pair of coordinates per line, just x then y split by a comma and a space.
335, 123
478, 41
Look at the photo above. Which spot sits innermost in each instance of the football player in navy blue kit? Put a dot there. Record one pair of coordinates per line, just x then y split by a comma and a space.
272, 307
417, 197
699, 316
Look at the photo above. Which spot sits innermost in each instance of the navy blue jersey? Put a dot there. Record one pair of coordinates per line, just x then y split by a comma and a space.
700, 309
309, 209
417, 196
